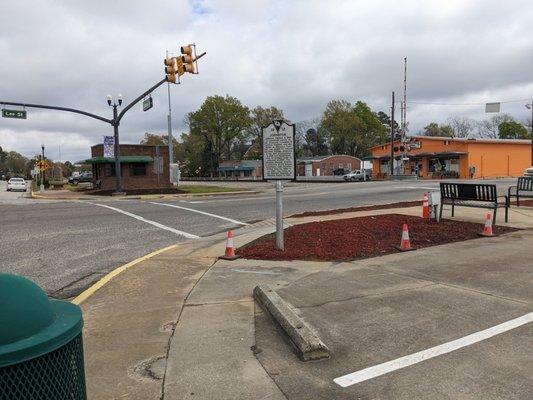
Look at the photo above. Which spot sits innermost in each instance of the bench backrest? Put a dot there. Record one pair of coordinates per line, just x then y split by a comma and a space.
525, 184
469, 191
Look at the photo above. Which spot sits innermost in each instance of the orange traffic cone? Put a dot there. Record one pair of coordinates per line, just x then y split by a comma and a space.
425, 207
405, 244
230, 248
487, 230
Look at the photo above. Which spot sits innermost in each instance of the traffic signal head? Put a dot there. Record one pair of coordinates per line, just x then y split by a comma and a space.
170, 69
187, 58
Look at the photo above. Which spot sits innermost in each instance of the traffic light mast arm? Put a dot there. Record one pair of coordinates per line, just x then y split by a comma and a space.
72, 110
142, 96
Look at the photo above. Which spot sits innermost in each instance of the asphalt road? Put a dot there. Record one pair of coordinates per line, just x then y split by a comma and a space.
65, 246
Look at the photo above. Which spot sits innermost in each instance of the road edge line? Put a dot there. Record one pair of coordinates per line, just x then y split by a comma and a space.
117, 271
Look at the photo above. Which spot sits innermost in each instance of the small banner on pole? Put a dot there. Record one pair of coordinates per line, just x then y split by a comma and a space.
109, 146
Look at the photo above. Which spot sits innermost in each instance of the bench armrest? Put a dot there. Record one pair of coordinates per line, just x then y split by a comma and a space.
509, 191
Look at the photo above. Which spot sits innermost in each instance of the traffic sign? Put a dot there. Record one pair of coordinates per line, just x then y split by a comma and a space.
42, 165
18, 114
148, 103
279, 160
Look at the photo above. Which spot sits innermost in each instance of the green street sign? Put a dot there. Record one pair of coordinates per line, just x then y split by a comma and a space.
147, 104
18, 114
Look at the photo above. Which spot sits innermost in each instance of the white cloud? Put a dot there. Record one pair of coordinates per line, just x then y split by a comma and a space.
297, 55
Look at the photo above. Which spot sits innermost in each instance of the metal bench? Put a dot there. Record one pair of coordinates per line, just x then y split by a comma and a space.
478, 195
524, 184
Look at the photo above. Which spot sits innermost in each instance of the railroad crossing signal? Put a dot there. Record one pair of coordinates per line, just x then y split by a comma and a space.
42, 165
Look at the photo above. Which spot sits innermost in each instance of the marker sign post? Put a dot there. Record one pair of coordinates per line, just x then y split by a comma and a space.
279, 163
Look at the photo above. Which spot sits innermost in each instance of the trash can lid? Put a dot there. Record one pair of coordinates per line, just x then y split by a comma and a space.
31, 324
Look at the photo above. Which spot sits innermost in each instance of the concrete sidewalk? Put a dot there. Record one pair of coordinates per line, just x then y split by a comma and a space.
184, 325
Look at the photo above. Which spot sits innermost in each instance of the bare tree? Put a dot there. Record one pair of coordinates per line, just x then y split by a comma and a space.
462, 126
488, 128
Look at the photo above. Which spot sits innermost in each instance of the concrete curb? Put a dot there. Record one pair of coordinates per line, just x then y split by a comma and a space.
307, 343
144, 197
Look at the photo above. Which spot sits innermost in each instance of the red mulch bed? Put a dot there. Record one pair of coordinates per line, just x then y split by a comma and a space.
361, 237
525, 203
402, 204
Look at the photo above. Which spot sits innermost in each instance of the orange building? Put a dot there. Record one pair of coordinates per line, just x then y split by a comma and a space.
443, 157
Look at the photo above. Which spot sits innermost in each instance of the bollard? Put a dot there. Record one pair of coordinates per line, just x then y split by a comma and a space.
41, 347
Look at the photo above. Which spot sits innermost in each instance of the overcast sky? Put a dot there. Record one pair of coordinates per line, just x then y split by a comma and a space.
296, 55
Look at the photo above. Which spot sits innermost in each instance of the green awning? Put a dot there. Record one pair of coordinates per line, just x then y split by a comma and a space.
123, 159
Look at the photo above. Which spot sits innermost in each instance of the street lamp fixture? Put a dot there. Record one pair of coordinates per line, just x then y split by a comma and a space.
109, 99
119, 99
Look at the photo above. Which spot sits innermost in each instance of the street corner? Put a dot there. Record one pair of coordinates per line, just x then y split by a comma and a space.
437, 322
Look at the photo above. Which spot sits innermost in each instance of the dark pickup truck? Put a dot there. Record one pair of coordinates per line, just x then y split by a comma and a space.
83, 177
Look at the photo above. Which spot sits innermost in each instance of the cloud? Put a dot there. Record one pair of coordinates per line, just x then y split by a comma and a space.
297, 55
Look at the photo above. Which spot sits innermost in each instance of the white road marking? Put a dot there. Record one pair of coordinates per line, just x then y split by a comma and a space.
200, 212
406, 361
157, 224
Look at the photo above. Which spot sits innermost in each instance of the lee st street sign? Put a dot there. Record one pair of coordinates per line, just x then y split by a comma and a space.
279, 161
18, 114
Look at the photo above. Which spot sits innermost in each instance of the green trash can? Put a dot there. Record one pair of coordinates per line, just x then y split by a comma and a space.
41, 348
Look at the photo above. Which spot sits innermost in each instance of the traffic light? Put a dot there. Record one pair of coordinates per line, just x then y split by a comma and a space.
187, 58
171, 69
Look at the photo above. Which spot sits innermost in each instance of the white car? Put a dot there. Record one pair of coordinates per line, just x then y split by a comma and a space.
16, 184
529, 172
356, 175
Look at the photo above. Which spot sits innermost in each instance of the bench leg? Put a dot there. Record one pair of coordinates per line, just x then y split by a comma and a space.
517, 199
506, 214
440, 212
494, 217
453, 209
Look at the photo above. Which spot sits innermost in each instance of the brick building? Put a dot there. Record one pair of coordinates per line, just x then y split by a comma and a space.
142, 167
325, 165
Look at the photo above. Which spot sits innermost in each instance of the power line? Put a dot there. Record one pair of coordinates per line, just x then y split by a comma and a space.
468, 104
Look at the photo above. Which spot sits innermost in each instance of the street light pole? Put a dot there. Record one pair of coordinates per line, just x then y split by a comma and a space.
530, 107
42, 170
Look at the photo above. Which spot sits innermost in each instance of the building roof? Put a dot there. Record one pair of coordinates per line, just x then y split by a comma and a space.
123, 159
322, 158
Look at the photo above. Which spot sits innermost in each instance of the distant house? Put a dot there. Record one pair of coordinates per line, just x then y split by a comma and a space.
250, 169
326, 165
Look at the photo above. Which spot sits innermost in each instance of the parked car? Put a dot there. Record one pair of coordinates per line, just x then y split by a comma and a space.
83, 177
16, 184
529, 172
357, 175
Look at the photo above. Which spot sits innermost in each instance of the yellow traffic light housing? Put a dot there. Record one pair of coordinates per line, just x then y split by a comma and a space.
181, 67
188, 59
170, 69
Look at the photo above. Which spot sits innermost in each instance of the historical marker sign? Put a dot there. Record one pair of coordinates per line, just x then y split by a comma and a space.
279, 162
18, 114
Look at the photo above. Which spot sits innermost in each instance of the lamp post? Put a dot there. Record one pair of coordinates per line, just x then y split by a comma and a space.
41, 188
115, 123
529, 106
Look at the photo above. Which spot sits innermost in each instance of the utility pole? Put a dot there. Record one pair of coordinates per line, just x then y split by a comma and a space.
530, 107
169, 122
42, 169
392, 137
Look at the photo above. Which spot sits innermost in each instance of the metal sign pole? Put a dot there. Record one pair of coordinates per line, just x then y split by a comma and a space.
279, 216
